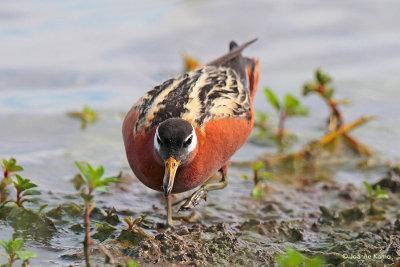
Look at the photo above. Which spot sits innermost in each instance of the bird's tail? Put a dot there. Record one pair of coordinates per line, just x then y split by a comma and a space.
252, 69
247, 68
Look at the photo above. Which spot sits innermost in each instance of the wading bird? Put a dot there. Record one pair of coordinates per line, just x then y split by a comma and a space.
187, 128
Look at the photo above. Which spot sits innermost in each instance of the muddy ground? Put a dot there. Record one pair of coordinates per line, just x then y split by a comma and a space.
318, 218
325, 219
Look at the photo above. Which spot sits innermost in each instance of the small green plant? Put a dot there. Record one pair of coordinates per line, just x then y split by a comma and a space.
90, 182
23, 187
104, 230
293, 258
258, 177
133, 232
130, 263
373, 195
9, 168
111, 217
13, 249
261, 121
133, 224
321, 86
290, 106
87, 115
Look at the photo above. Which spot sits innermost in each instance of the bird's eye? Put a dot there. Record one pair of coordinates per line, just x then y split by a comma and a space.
188, 142
159, 140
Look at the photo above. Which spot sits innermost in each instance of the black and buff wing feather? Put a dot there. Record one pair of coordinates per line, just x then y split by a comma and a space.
217, 90
196, 96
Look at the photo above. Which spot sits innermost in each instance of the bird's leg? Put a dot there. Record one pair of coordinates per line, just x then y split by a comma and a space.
169, 211
201, 193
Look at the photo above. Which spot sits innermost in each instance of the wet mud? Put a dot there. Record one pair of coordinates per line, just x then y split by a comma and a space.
322, 218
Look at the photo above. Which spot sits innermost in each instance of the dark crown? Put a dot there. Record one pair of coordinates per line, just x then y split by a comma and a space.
174, 131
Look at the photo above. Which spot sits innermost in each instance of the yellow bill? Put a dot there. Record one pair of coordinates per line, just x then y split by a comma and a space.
171, 166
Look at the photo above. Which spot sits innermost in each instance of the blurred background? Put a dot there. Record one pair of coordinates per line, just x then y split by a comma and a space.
57, 56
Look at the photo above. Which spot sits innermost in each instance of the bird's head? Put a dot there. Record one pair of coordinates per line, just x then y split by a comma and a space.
175, 144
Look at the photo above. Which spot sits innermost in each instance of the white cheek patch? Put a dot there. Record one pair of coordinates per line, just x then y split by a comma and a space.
193, 144
156, 144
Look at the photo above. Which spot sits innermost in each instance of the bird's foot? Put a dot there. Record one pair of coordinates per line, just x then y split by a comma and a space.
170, 225
195, 199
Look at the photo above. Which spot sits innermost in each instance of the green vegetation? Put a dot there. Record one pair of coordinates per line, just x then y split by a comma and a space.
259, 178
87, 115
111, 217
290, 107
312, 159
293, 258
104, 230
261, 122
322, 86
90, 182
9, 168
132, 264
132, 233
132, 224
23, 187
374, 195
13, 249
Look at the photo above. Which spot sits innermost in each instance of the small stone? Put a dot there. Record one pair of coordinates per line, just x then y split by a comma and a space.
270, 208
184, 231
351, 215
391, 182
315, 227
397, 225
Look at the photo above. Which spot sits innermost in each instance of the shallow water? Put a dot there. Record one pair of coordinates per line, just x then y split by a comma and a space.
57, 56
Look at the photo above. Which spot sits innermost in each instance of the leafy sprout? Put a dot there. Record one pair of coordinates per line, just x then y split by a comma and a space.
9, 168
273, 100
87, 115
257, 191
111, 217
373, 195
23, 187
257, 166
104, 230
13, 249
91, 181
322, 87
133, 228
322, 79
132, 224
293, 258
293, 106
261, 121
259, 177
290, 107
132, 264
